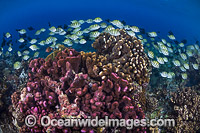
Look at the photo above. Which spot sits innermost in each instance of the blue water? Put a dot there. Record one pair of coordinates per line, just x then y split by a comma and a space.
180, 16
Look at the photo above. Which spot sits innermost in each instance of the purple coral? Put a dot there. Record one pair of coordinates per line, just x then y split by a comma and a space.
58, 89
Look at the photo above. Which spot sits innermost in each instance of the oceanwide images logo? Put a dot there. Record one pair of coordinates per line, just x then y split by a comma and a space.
46, 121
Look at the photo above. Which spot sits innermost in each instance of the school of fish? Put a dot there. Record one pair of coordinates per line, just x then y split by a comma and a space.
171, 57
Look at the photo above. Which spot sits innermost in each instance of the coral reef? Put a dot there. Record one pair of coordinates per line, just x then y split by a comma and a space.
186, 105
122, 54
3, 90
54, 53
151, 103
113, 81
66, 87
10, 80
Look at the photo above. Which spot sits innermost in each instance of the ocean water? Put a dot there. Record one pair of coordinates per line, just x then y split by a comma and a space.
164, 93
180, 16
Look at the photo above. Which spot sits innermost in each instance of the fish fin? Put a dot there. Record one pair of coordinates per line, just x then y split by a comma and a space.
171, 33
30, 28
49, 24
176, 42
142, 31
59, 26
65, 26
184, 41
4, 34
123, 22
107, 20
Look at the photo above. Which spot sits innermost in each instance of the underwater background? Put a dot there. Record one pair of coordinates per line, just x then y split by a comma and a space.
181, 16
162, 35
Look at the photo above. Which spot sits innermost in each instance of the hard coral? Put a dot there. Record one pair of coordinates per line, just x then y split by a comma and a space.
124, 55
79, 85
186, 105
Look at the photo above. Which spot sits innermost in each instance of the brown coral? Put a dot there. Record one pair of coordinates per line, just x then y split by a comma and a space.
122, 54
186, 105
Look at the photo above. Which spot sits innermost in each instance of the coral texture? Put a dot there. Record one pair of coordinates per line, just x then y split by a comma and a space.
186, 105
78, 85
124, 55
